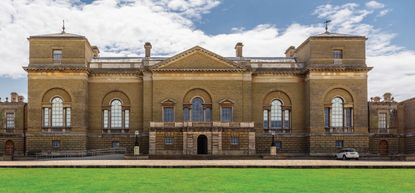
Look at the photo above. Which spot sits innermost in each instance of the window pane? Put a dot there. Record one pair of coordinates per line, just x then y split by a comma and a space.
168, 140
338, 54
349, 117
45, 117
337, 112
127, 119
235, 140
115, 144
168, 114
57, 112
186, 114
382, 120
10, 121
68, 117
105, 119
327, 117
276, 114
56, 143
116, 114
339, 143
265, 118
226, 114
197, 109
286, 124
278, 144
57, 55
208, 114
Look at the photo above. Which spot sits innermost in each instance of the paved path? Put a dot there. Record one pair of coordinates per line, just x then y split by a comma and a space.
212, 163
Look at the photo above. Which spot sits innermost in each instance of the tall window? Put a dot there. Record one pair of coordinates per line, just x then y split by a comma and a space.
337, 116
337, 54
186, 114
382, 121
10, 120
197, 109
337, 112
116, 114
168, 114
57, 112
57, 56
277, 117
226, 114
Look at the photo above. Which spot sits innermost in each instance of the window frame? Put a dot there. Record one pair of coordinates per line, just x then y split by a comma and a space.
168, 140
172, 114
56, 144
338, 54
235, 140
284, 111
10, 124
222, 108
124, 120
57, 60
339, 144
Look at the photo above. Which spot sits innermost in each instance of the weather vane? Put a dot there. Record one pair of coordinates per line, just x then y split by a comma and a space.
327, 23
63, 26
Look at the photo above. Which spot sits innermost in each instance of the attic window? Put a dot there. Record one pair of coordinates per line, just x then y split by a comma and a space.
57, 56
337, 54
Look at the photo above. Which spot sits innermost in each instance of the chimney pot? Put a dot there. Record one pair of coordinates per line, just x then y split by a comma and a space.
147, 48
238, 49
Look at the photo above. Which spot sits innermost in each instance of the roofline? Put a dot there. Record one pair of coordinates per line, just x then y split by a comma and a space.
322, 37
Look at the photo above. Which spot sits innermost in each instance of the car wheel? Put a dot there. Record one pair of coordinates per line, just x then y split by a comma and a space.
344, 157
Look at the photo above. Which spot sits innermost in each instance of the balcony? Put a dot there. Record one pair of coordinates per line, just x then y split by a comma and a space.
56, 129
339, 130
202, 124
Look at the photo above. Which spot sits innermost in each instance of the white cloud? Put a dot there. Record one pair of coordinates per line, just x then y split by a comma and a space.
120, 28
374, 5
383, 12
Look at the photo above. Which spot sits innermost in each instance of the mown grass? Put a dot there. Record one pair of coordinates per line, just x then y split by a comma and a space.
206, 180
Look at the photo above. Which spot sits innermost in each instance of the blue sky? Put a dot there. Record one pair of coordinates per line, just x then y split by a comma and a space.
267, 27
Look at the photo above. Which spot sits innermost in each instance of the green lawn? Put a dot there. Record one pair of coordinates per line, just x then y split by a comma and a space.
206, 180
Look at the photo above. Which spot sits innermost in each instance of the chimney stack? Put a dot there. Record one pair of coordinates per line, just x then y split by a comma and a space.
13, 97
238, 49
290, 51
95, 50
147, 47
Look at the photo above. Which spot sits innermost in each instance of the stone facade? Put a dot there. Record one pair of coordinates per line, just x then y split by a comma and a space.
313, 101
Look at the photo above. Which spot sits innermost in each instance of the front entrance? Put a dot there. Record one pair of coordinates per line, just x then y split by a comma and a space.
383, 148
9, 148
202, 144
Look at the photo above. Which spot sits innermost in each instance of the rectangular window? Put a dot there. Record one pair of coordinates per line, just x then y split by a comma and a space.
126, 119
168, 141
57, 56
45, 117
208, 114
266, 119
56, 143
349, 117
115, 144
10, 120
234, 140
286, 124
168, 114
327, 117
105, 119
382, 120
186, 114
226, 114
337, 54
68, 117
339, 144
278, 144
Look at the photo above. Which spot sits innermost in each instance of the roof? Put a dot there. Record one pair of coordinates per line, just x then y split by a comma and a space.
330, 34
58, 35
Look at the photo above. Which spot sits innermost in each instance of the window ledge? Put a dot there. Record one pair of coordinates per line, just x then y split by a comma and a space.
115, 131
56, 129
339, 130
278, 130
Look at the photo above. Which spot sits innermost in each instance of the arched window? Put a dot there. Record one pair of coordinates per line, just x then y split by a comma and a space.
197, 109
336, 112
276, 116
116, 114
57, 112
116, 117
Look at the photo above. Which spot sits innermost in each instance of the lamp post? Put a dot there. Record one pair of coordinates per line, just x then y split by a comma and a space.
136, 144
273, 149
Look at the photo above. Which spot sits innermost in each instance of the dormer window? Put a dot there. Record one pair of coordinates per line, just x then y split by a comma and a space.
337, 54
57, 56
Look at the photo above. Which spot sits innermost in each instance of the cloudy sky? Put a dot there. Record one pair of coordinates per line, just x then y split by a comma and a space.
266, 27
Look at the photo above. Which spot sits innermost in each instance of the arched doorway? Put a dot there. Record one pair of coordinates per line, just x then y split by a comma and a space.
383, 147
9, 148
202, 144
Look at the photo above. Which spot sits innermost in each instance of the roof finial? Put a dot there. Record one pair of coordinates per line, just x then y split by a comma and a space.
63, 26
327, 23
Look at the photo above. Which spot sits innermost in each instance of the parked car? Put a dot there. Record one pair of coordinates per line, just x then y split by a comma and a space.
347, 153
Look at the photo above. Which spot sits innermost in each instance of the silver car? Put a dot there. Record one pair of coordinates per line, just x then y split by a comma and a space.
347, 153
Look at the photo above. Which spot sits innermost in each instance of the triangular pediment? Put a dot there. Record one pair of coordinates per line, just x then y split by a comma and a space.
197, 59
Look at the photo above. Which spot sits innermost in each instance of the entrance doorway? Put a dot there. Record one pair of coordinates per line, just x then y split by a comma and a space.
202, 144
9, 148
383, 147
